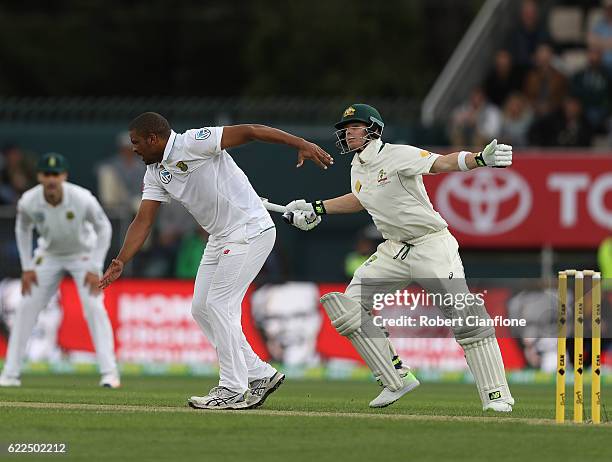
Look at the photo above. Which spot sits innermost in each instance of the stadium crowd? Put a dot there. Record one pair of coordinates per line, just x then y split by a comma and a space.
532, 96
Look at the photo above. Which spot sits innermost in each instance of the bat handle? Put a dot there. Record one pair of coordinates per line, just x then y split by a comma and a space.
288, 217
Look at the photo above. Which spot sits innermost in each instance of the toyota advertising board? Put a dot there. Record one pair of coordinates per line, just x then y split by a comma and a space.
558, 200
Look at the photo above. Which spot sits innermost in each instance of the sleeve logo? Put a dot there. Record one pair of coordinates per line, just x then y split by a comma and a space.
202, 134
165, 176
371, 260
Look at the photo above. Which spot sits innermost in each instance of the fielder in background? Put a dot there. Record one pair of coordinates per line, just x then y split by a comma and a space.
195, 169
74, 236
387, 181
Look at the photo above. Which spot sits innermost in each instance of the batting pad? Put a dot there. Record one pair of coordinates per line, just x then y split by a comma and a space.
485, 361
354, 323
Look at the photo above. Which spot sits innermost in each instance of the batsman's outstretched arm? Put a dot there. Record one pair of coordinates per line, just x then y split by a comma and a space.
493, 155
237, 135
342, 204
137, 233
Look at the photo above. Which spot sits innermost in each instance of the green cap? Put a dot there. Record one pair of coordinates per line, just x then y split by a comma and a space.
360, 113
53, 163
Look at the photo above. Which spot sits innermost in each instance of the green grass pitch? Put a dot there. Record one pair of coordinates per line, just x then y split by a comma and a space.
147, 419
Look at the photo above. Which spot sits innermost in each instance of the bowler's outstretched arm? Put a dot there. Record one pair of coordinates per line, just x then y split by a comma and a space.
237, 135
135, 237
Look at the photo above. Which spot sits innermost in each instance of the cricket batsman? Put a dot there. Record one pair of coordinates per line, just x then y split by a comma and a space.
386, 180
74, 236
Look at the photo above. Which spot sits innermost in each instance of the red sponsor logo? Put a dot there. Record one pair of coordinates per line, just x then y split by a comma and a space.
552, 199
226, 251
486, 202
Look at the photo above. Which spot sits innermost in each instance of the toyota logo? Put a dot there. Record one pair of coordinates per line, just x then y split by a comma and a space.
487, 202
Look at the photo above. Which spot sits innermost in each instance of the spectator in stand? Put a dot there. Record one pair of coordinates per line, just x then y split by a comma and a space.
475, 122
545, 87
367, 241
604, 260
120, 179
565, 128
531, 33
173, 222
503, 80
18, 174
593, 87
189, 254
601, 35
517, 119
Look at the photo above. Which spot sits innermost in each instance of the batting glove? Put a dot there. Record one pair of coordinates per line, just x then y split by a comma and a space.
302, 220
495, 155
315, 207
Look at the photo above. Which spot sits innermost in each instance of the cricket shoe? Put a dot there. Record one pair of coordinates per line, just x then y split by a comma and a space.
220, 398
262, 388
9, 381
387, 396
499, 406
110, 381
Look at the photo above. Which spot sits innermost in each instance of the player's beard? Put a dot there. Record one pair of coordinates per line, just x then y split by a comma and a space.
53, 195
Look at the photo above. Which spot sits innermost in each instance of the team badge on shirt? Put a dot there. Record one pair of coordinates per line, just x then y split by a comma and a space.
202, 134
182, 166
70, 215
382, 177
165, 176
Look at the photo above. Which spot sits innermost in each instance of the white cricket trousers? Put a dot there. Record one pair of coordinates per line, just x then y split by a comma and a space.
431, 260
228, 267
50, 269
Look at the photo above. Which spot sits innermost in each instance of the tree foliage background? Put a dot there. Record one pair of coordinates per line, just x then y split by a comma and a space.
254, 48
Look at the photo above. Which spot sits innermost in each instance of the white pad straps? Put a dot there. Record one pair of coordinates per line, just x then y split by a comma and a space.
370, 341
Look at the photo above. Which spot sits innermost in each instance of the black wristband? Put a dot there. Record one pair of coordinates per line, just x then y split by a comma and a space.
319, 208
480, 160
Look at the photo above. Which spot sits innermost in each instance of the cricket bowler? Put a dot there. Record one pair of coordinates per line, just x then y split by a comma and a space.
74, 237
195, 169
386, 181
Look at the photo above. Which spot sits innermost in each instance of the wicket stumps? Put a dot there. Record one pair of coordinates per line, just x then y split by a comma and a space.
578, 396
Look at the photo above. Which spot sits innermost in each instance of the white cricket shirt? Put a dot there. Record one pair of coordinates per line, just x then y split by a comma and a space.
387, 180
196, 172
75, 226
